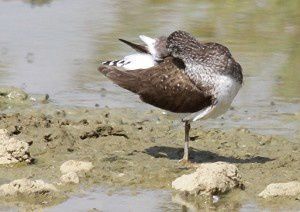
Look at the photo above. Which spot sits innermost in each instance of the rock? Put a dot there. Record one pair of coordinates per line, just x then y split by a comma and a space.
13, 93
281, 189
209, 179
70, 177
26, 187
75, 166
13, 150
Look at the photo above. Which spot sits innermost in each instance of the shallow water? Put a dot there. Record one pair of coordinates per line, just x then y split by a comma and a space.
145, 200
142, 200
55, 47
101, 200
155, 200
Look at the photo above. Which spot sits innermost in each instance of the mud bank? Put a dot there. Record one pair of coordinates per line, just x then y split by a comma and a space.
139, 149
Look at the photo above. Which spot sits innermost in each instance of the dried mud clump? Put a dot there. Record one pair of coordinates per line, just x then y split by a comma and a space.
73, 169
13, 150
13, 94
70, 177
103, 131
75, 166
210, 179
26, 187
281, 189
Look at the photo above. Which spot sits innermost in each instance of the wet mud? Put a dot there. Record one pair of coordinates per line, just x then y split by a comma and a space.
140, 149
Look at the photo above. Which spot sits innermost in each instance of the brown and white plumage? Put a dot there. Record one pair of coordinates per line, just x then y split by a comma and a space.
164, 86
194, 78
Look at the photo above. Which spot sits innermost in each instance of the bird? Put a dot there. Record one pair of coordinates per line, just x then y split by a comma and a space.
197, 80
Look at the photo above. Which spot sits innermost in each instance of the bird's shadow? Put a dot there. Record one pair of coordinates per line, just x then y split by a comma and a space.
199, 156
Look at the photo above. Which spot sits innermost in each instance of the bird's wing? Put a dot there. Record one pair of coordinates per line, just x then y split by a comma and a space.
164, 86
137, 47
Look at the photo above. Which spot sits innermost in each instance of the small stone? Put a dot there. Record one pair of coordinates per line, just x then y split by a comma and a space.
209, 179
76, 166
215, 198
281, 189
45, 99
70, 177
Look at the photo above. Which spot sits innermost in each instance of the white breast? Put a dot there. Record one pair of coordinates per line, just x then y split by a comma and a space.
226, 88
225, 91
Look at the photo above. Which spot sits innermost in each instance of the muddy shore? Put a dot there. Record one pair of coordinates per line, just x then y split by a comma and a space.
141, 149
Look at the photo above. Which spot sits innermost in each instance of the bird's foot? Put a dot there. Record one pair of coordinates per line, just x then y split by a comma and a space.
184, 160
187, 163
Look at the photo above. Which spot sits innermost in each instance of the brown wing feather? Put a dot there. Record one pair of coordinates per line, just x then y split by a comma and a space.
164, 86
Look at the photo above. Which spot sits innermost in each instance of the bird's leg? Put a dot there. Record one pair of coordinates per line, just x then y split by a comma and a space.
187, 127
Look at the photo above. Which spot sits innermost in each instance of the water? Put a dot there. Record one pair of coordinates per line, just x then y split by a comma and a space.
141, 200
55, 47
144, 200
101, 200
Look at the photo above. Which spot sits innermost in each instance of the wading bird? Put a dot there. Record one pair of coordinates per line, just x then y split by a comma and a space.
179, 74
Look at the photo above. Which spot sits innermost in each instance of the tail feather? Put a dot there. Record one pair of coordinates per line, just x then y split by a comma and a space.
137, 47
110, 62
132, 62
147, 40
